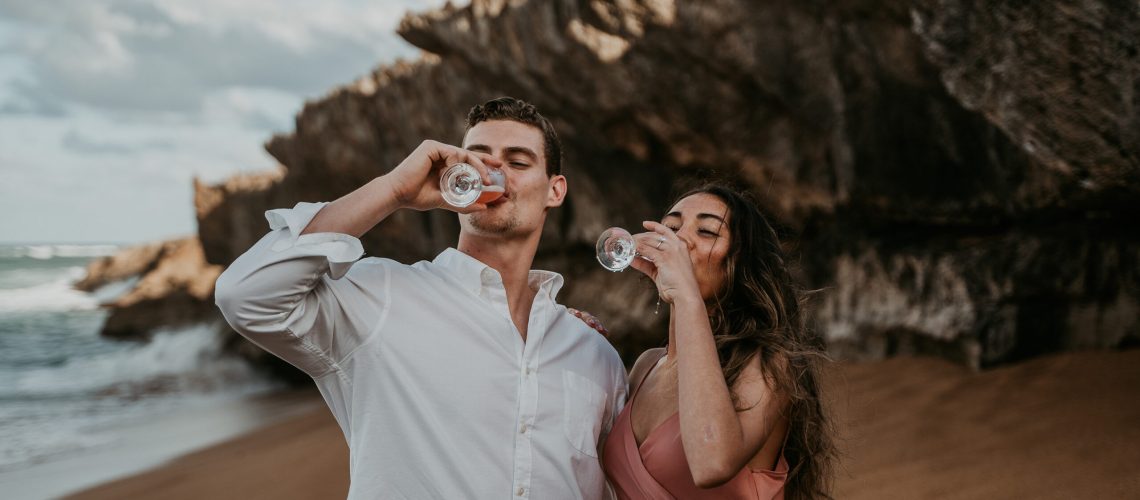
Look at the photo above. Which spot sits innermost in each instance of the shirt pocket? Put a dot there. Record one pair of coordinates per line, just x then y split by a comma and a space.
584, 402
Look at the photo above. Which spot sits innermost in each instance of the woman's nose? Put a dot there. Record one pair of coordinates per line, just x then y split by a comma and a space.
686, 236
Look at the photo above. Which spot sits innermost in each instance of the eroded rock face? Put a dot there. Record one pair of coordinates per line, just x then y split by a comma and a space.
983, 299
175, 288
959, 177
232, 213
123, 265
1061, 80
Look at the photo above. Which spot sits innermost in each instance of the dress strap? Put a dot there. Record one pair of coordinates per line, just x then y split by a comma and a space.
637, 388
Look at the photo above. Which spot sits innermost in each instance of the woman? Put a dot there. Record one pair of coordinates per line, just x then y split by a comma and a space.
730, 408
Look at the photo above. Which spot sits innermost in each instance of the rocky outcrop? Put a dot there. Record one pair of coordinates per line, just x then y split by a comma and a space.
959, 177
175, 288
235, 209
1060, 80
125, 264
984, 299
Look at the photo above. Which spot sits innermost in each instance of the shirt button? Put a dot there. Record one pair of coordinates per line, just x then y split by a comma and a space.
520, 491
529, 370
522, 429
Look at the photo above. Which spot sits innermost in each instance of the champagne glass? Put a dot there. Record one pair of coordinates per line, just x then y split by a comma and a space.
616, 249
461, 185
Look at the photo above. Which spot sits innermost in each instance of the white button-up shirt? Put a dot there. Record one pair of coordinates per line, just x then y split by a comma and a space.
436, 391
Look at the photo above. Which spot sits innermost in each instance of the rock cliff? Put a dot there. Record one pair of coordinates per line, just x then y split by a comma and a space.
956, 177
175, 287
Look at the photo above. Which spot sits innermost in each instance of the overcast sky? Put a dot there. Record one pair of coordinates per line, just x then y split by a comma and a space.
108, 108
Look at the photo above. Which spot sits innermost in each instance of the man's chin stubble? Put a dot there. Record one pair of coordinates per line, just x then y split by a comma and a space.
499, 226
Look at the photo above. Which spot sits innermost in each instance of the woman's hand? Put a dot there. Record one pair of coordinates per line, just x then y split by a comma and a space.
664, 257
415, 181
589, 320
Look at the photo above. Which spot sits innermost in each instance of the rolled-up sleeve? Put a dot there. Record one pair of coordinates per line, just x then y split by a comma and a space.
293, 295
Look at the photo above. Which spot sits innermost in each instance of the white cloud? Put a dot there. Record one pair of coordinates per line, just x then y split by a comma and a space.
109, 107
170, 55
91, 178
258, 109
77, 142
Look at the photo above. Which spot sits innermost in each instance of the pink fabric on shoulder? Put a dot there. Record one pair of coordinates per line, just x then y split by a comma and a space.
658, 469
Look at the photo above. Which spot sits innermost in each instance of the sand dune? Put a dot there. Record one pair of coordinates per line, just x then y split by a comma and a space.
1066, 426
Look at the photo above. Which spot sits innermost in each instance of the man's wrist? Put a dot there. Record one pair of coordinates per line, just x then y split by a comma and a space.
388, 190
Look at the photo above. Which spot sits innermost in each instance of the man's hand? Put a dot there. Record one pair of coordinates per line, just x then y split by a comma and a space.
415, 181
589, 319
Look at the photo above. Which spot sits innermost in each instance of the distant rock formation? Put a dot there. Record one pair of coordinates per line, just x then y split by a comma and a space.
960, 178
233, 212
125, 264
175, 287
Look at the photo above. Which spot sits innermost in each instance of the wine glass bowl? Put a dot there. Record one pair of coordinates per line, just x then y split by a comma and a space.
616, 249
460, 185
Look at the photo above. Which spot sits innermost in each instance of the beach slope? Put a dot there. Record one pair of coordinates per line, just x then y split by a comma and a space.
1065, 426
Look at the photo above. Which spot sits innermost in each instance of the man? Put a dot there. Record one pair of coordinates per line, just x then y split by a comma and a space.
456, 378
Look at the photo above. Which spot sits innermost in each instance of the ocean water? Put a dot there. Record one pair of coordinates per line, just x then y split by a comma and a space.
60, 382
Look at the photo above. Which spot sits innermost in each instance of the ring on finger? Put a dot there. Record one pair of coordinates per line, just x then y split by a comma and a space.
660, 241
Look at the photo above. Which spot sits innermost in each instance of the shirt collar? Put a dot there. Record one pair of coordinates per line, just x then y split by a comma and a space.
475, 275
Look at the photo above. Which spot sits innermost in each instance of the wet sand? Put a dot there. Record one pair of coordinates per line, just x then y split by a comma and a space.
301, 457
135, 444
1065, 426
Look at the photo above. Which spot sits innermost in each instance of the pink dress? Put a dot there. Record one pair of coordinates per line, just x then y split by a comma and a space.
658, 469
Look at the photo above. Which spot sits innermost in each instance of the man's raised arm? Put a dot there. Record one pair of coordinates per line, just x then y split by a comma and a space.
286, 293
413, 184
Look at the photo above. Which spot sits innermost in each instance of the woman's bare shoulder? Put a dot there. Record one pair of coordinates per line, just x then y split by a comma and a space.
758, 384
643, 364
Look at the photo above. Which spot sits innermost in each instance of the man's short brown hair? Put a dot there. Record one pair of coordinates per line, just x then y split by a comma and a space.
517, 110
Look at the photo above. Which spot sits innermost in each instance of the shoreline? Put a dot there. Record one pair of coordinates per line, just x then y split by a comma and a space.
141, 444
1062, 426
303, 456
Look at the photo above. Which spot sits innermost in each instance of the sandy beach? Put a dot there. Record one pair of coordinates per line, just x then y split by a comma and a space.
1065, 426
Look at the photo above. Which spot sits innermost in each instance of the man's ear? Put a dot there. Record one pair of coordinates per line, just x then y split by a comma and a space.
557, 192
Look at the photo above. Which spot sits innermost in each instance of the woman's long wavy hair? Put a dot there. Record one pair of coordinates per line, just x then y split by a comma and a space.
758, 313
